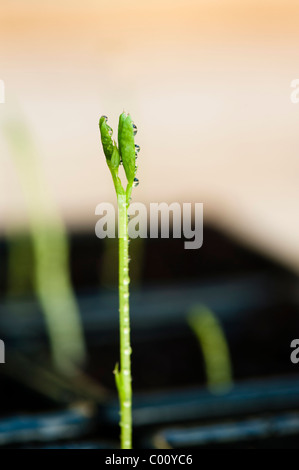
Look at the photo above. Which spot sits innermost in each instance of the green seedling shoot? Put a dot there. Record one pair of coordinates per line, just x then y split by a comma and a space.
124, 154
52, 281
214, 346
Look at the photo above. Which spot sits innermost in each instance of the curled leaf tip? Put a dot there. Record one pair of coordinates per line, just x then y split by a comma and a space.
106, 137
124, 153
126, 144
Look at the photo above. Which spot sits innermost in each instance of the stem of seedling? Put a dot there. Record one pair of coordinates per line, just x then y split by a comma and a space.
124, 375
125, 153
52, 281
214, 346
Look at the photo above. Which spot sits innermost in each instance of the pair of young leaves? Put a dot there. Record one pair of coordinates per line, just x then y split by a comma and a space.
125, 151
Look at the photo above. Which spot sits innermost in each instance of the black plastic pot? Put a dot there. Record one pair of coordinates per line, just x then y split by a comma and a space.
256, 305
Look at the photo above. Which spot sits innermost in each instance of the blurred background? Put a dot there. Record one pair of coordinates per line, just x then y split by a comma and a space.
208, 84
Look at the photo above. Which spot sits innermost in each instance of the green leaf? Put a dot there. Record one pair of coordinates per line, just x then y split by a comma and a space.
122, 118
115, 159
126, 144
106, 137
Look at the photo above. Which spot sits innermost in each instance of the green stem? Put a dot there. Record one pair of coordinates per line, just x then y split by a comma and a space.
123, 377
214, 346
50, 247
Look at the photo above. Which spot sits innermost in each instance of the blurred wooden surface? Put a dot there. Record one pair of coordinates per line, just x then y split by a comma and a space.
208, 84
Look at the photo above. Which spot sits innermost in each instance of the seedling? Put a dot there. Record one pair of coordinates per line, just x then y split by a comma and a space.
214, 346
52, 281
124, 154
